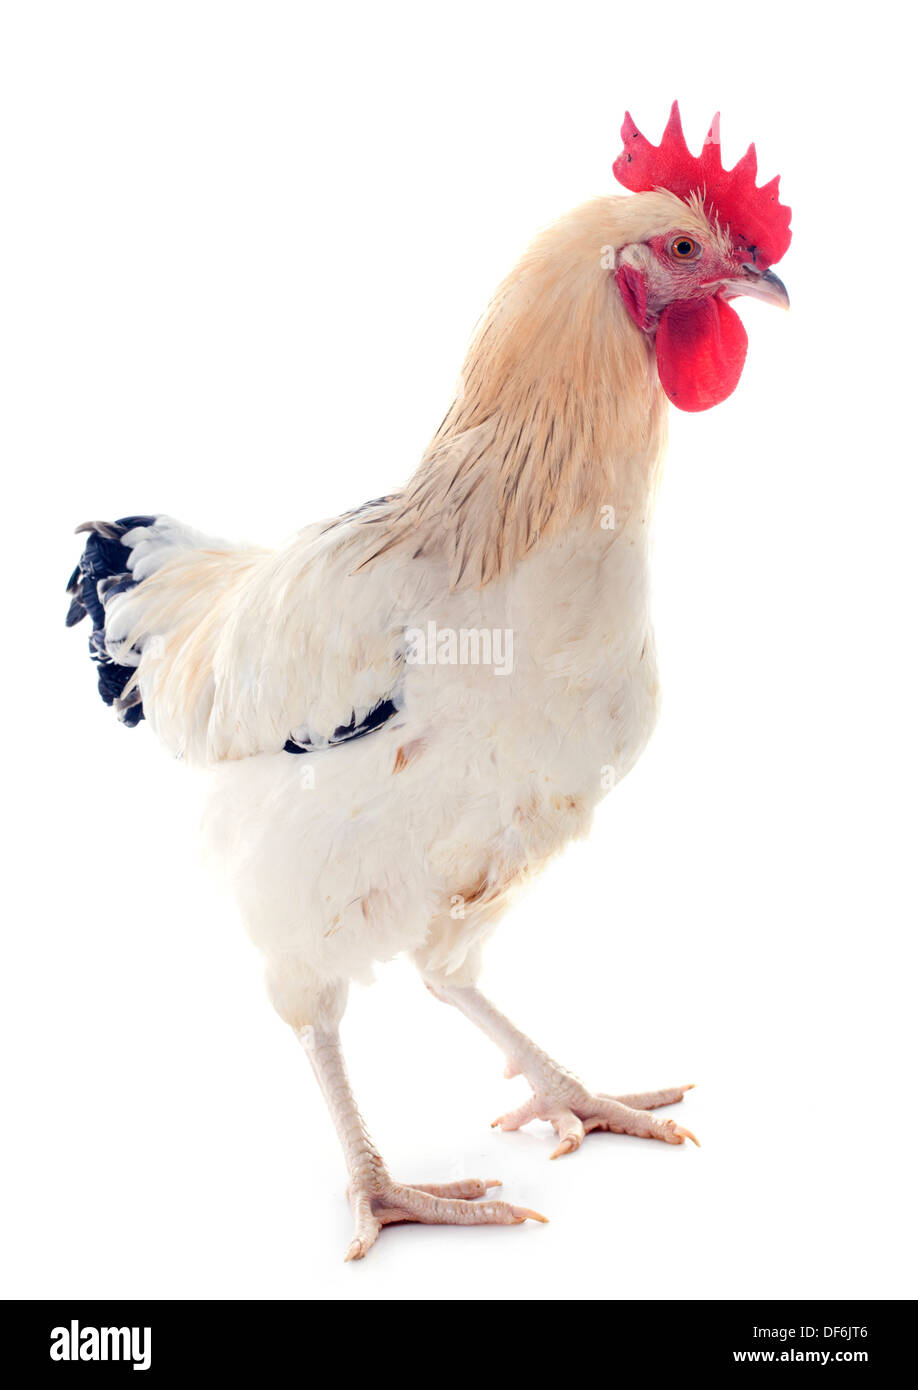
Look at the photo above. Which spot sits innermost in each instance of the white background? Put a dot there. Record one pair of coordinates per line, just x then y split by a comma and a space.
244, 246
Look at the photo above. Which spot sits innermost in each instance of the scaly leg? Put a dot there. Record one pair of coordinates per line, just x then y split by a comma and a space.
376, 1199
557, 1095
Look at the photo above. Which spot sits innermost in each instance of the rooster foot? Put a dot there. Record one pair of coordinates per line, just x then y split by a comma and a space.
574, 1112
380, 1202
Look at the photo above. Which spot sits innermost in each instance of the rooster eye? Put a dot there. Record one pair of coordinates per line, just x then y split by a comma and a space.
683, 248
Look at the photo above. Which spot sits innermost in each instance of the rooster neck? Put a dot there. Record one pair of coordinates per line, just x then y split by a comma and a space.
558, 415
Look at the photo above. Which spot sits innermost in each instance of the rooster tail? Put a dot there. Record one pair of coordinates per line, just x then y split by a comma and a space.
160, 596
104, 569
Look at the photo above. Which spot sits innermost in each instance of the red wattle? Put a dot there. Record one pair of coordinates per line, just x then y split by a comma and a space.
701, 348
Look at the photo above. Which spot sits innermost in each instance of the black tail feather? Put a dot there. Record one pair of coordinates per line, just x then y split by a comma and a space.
101, 573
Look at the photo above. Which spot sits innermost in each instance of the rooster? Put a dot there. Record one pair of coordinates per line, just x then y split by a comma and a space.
410, 708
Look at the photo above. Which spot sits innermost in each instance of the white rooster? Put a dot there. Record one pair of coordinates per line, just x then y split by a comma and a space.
410, 708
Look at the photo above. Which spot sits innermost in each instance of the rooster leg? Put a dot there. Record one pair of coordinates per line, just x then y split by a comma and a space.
376, 1199
557, 1095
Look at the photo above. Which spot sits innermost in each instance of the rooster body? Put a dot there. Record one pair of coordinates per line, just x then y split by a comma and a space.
412, 837
368, 797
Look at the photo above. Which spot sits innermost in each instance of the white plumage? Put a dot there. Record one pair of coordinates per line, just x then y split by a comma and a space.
355, 852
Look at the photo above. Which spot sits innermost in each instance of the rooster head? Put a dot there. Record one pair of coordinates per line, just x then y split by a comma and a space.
710, 236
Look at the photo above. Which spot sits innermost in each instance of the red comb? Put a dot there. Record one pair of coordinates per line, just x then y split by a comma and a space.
755, 217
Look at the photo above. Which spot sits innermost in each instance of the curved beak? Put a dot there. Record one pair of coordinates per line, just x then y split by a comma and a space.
758, 284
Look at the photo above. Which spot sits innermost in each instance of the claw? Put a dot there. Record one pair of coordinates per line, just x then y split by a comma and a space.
570, 1131
515, 1119
567, 1146
525, 1214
